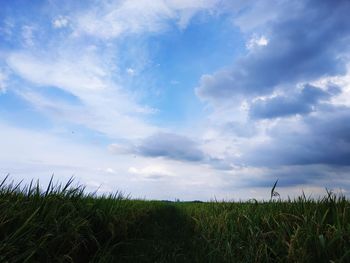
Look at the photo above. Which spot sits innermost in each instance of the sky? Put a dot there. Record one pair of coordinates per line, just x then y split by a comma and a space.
177, 99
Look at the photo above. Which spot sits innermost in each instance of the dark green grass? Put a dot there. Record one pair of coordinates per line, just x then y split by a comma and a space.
63, 224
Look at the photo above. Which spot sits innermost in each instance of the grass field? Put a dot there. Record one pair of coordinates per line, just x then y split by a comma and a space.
64, 224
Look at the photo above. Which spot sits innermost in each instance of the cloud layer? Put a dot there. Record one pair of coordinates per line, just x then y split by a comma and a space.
322, 139
272, 96
300, 102
303, 45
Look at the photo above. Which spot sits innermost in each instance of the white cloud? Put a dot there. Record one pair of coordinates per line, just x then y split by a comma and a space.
110, 170
130, 71
115, 18
343, 99
151, 171
255, 42
60, 22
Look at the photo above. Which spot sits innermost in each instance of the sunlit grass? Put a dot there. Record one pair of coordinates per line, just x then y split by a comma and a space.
62, 223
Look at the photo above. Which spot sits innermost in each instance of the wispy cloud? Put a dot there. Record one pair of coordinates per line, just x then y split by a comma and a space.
114, 18
28, 35
7, 28
151, 172
90, 84
3, 80
60, 22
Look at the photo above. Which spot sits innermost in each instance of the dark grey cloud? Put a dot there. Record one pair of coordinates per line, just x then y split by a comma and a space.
305, 43
172, 146
301, 102
324, 139
323, 176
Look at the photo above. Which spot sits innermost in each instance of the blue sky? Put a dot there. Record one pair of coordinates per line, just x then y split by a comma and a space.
170, 99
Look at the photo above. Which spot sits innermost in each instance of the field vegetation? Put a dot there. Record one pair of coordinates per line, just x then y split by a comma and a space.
64, 224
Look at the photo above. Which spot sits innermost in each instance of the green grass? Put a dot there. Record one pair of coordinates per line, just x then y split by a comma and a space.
64, 224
